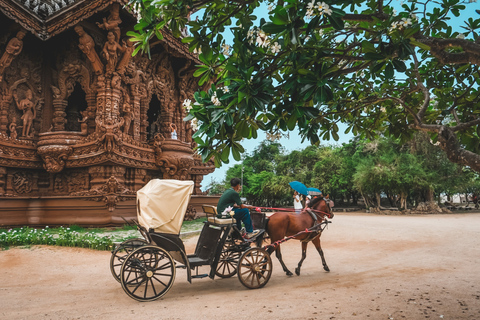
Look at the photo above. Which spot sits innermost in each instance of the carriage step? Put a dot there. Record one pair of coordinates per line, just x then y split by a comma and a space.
200, 276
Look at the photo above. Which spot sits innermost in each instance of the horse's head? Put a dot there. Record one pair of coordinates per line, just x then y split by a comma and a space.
320, 205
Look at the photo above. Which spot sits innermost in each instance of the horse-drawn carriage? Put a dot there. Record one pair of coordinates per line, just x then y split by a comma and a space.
146, 268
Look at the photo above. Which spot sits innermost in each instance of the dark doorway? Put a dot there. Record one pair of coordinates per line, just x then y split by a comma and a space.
153, 117
76, 104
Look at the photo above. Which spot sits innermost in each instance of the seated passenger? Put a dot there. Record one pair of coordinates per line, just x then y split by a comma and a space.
230, 201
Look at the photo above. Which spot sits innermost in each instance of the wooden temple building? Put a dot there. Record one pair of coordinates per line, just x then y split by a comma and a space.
83, 124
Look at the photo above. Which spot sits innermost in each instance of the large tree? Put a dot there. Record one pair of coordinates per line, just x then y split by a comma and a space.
377, 66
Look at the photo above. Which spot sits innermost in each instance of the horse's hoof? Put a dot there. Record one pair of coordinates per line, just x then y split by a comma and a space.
326, 268
289, 273
297, 271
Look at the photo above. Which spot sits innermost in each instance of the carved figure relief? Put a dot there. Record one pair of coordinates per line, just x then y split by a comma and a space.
110, 137
111, 23
87, 45
127, 113
13, 128
54, 157
13, 49
110, 52
27, 106
83, 122
127, 55
22, 182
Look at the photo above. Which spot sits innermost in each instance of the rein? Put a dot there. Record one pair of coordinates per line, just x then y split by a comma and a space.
315, 229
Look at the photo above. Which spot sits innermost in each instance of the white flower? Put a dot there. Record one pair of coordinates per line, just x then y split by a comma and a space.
306, 38
275, 48
461, 36
383, 109
261, 38
320, 32
215, 100
309, 13
323, 8
271, 7
226, 49
310, 5
225, 89
406, 22
197, 51
187, 104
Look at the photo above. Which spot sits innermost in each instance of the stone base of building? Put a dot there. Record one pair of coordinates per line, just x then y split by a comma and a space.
81, 211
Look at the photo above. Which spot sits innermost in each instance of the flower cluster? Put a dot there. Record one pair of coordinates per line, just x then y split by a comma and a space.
215, 99
319, 8
260, 38
187, 104
404, 23
60, 237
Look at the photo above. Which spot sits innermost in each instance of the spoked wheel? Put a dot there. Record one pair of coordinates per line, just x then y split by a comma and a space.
255, 268
121, 252
227, 264
147, 273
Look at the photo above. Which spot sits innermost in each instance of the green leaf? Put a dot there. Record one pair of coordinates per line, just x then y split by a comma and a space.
236, 153
389, 72
336, 22
399, 65
368, 46
273, 28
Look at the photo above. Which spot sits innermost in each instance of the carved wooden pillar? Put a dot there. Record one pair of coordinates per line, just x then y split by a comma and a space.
143, 119
116, 95
91, 99
136, 118
3, 177
59, 114
3, 118
4, 103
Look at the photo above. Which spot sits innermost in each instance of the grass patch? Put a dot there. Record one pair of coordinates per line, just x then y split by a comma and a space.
76, 236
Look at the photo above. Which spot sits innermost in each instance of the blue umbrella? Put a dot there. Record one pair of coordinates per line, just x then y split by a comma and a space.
314, 191
299, 187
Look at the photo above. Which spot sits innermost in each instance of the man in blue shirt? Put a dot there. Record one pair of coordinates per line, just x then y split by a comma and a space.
230, 201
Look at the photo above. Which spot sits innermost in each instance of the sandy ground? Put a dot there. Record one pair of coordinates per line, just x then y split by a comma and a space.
382, 267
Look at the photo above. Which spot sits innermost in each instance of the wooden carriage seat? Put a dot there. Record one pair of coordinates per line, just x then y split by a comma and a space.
211, 213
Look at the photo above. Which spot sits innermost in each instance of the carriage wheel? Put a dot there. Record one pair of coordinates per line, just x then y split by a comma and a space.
121, 252
147, 273
227, 264
255, 268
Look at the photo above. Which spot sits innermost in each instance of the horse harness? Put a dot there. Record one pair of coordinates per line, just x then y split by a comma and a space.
316, 229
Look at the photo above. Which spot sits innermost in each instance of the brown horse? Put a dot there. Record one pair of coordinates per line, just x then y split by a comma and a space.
285, 224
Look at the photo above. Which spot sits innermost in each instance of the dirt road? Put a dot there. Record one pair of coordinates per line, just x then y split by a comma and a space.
382, 267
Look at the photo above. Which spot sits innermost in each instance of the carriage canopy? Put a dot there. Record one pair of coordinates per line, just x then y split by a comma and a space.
162, 204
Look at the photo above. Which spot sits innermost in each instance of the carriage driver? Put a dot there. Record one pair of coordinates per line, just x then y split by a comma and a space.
230, 201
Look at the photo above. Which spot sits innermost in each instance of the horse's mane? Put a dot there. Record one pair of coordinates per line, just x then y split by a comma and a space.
314, 201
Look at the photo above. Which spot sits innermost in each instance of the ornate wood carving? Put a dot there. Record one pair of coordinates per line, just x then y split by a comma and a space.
107, 155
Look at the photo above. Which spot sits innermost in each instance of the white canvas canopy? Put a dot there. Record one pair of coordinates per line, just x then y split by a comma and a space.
162, 204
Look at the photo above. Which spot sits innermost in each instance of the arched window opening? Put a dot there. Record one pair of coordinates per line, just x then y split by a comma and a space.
76, 104
153, 117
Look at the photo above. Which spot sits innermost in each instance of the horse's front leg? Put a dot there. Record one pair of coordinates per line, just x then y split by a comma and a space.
316, 242
304, 255
278, 254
